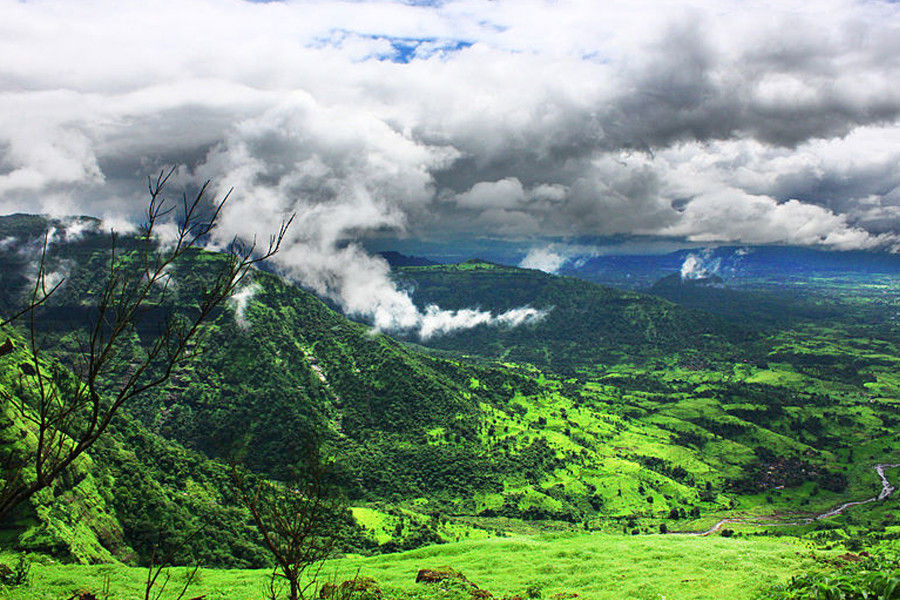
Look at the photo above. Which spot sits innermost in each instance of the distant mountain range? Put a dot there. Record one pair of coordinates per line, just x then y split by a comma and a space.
395, 259
741, 264
745, 265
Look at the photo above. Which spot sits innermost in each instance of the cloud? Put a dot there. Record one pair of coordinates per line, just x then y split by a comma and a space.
71, 229
543, 259
523, 315
750, 219
485, 195
441, 322
707, 262
239, 301
762, 122
700, 265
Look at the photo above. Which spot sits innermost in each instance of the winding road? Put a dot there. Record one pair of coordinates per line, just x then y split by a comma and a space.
886, 490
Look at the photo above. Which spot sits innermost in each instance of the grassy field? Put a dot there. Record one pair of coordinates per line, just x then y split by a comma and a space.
594, 566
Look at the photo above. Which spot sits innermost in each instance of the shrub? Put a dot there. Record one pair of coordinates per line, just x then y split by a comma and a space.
534, 591
17, 575
861, 578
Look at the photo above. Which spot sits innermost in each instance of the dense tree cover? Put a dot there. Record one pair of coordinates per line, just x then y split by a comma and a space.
132, 492
587, 324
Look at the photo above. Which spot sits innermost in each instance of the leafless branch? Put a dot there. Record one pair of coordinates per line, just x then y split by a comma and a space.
160, 566
68, 414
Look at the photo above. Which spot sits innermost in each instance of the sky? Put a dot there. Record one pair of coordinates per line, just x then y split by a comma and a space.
740, 122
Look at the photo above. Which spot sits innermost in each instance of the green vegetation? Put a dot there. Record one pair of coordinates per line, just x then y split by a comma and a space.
598, 566
546, 457
133, 491
587, 324
862, 576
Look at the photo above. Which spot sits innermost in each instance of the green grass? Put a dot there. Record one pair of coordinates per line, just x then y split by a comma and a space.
394, 524
595, 566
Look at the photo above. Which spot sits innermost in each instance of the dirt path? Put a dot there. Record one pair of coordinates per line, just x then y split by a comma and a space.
887, 489
714, 528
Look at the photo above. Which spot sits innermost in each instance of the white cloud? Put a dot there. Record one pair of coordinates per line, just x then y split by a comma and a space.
523, 315
239, 301
435, 321
505, 193
699, 265
749, 219
543, 259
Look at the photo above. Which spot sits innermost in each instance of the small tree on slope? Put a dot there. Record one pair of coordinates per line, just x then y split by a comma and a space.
298, 521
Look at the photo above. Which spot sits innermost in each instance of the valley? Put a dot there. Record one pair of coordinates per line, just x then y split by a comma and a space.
619, 426
886, 490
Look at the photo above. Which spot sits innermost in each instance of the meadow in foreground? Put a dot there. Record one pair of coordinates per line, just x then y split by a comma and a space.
593, 566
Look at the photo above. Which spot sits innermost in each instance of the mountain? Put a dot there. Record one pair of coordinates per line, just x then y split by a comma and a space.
639, 412
585, 325
287, 364
745, 265
395, 259
133, 490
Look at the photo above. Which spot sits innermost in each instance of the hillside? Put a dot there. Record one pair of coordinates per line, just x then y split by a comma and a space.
132, 492
284, 365
586, 325
627, 430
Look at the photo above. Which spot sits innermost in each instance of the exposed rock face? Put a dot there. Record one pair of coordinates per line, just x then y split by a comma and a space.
360, 587
440, 574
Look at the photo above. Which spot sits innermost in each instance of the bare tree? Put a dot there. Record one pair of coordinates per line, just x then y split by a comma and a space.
159, 570
66, 415
298, 521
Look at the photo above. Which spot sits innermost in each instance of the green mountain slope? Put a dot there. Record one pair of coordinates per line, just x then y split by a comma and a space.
133, 491
586, 324
670, 417
289, 366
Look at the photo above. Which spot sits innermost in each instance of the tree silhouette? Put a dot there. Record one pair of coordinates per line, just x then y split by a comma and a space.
66, 412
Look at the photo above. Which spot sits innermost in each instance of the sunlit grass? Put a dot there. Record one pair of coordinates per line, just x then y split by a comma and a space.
597, 567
